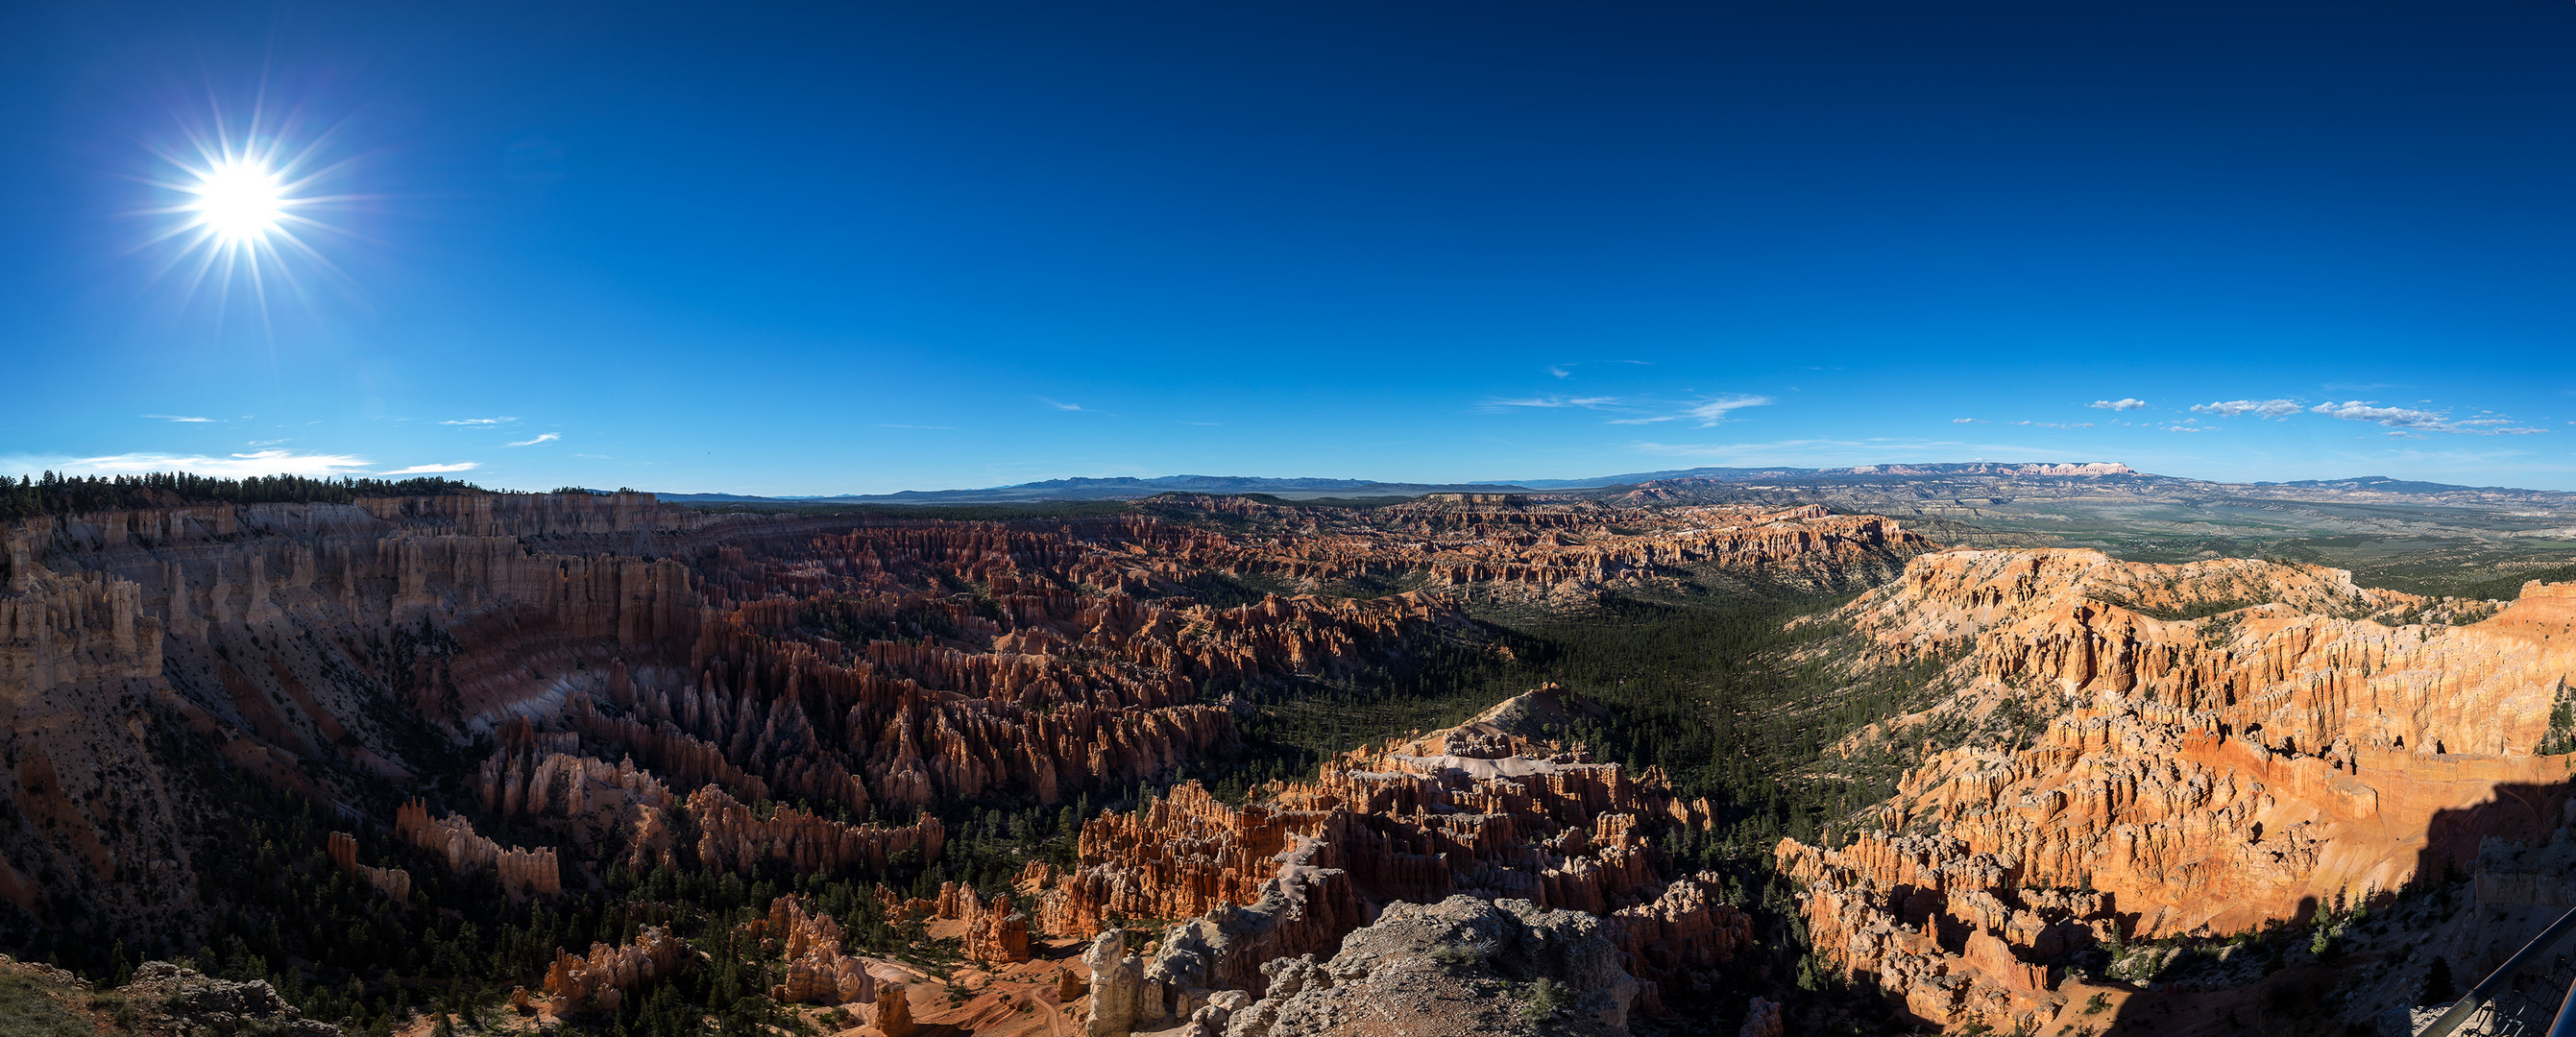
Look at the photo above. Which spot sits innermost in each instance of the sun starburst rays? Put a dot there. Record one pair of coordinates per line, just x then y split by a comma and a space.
239, 208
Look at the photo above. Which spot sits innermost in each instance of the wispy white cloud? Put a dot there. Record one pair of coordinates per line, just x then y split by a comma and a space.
2056, 424
1060, 406
1638, 410
1549, 402
542, 437
1566, 370
1710, 412
433, 469
2126, 403
181, 418
233, 466
2257, 408
479, 421
2407, 420
1967, 421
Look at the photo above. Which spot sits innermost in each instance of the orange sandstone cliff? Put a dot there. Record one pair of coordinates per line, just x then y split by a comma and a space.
2302, 741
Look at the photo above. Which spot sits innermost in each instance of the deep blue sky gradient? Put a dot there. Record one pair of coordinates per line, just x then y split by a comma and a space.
856, 248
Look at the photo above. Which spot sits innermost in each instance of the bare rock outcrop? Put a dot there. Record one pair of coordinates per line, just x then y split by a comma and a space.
1118, 993
1459, 967
179, 1002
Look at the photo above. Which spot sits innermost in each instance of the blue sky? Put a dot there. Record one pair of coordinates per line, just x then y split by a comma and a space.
858, 248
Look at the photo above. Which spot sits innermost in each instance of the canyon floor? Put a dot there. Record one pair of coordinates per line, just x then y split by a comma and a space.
1639, 762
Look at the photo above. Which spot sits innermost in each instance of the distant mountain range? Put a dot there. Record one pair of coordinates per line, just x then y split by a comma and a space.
1127, 489
1979, 478
2102, 504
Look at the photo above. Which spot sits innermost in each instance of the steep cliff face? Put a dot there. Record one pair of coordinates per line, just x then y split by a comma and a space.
2299, 743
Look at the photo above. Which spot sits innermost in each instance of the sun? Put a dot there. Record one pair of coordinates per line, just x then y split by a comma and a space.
238, 199
242, 209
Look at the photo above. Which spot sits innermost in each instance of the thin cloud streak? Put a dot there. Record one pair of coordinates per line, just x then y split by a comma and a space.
545, 437
1494, 406
234, 466
1710, 412
2406, 420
